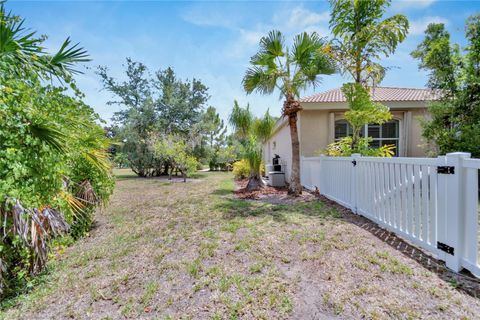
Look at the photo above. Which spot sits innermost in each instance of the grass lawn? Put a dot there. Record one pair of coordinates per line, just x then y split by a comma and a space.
192, 251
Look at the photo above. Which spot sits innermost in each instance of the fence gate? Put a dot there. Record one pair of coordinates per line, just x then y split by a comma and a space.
428, 201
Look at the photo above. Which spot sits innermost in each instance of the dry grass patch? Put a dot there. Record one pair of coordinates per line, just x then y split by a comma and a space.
193, 250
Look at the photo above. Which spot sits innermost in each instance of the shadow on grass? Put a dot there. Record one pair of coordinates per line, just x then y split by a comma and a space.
463, 281
239, 208
325, 209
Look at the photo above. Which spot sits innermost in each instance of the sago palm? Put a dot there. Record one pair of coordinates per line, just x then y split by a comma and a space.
289, 70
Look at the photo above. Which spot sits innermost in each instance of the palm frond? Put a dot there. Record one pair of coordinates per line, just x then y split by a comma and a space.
260, 80
99, 159
263, 127
241, 120
50, 135
62, 62
273, 44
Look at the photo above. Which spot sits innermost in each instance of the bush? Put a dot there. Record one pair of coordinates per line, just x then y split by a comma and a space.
343, 148
241, 169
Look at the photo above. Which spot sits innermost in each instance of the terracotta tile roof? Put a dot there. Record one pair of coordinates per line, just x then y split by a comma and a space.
378, 94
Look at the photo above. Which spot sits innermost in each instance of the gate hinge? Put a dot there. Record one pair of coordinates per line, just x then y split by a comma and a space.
445, 170
445, 247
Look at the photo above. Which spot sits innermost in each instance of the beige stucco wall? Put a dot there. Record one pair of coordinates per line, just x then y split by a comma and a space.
280, 143
417, 144
314, 131
317, 123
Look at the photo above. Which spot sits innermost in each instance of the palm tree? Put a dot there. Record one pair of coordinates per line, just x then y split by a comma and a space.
21, 51
290, 70
252, 133
362, 37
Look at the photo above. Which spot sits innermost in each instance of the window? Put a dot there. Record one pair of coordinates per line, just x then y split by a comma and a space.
387, 133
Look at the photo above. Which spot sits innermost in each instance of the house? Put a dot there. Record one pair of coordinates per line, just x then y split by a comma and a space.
322, 122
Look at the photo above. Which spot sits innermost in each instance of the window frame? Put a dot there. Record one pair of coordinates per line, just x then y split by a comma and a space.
398, 139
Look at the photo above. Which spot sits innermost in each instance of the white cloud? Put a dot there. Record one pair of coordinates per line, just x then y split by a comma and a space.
300, 18
418, 26
411, 4
210, 18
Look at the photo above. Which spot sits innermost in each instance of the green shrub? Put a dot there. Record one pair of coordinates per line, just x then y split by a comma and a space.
241, 169
343, 148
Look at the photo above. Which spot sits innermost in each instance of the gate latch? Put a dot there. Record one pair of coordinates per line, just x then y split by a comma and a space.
445, 170
445, 247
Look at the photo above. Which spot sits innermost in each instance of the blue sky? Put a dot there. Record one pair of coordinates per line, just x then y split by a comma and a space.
213, 41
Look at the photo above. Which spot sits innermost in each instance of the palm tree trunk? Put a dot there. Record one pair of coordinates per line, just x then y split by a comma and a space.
255, 182
290, 109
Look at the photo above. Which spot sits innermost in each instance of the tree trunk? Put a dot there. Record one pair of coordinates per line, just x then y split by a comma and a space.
290, 109
254, 183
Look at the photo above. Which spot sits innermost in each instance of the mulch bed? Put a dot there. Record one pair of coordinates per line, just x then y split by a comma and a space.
270, 194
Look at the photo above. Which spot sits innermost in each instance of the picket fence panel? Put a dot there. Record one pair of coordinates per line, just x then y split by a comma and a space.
409, 197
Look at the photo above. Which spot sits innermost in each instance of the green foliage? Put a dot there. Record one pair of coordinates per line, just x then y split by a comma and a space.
22, 53
253, 132
343, 148
362, 110
177, 153
162, 105
290, 71
440, 58
362, 38
241, 169
455, 78
54, 168
213, 140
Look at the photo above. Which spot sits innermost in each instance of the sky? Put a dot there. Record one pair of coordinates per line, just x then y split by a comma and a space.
213, 41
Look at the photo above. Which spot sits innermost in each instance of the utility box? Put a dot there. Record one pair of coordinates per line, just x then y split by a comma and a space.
276, 179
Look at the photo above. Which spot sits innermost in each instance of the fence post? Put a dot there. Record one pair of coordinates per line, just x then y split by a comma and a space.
321, 178
452, 211
353, 185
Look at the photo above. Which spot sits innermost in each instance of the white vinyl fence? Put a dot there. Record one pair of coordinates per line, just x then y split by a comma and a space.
432, 202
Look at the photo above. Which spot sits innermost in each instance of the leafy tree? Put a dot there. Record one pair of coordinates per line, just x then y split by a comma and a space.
213, 130
161, 105
455, 78
253, 132
362, 38
177, 152
290, 70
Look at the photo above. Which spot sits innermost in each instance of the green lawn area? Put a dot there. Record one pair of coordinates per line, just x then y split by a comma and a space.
191, 250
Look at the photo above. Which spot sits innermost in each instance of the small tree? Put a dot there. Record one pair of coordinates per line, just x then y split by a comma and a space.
362, 111
176, 152
253, 133
362, 37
